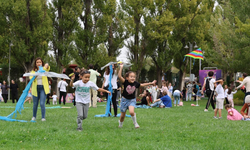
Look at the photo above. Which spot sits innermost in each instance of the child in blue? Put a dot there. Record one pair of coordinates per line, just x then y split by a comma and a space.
163, 101
128, 96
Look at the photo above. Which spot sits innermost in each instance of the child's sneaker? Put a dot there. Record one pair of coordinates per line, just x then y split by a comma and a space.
220, 117
137, 125
215, 117
33, 119
43, 119
120, 124
205, 110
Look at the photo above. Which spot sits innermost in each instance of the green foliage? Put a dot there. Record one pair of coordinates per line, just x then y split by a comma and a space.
28, 27
239, 98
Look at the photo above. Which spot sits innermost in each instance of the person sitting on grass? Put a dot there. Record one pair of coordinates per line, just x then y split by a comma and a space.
219, 98
145, 98
246, 108
233, 114
162, 102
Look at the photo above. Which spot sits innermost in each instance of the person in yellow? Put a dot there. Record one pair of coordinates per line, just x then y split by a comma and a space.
40, 88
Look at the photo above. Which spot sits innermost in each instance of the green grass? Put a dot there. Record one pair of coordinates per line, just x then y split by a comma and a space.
176, 128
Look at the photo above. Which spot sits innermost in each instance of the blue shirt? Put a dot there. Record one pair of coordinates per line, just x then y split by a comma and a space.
166, 100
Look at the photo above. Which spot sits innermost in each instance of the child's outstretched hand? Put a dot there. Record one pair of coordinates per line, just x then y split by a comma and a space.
109, 92
121, 65
73, 77
154, 81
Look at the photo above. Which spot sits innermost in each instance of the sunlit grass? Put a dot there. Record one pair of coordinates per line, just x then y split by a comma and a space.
176, 128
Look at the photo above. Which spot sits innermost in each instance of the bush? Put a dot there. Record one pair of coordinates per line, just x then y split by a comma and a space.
239, 98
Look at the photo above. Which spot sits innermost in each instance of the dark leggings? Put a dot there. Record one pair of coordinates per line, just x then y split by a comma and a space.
227, 102
5, 97
62, 94
14, 96
114, 94
48, 102
210, 100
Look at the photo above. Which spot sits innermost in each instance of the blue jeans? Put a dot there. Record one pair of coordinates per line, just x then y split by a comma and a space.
157, 104
176, 98
42, 96
189, 96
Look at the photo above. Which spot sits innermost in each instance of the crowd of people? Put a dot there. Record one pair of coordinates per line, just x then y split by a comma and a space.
85, 93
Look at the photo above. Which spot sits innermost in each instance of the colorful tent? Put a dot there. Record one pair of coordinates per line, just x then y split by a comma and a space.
196, 54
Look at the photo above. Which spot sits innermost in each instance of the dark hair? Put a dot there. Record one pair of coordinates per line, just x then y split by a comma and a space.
147, 93
83, 72
228, 106
91, 66
210, 73
244, 75
229, 91
35, 68
76, 68
128, 73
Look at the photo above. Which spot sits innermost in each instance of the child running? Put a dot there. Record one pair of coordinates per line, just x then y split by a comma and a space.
128, 96
233, 114
82, 95
230, 96
219, 98
54, 97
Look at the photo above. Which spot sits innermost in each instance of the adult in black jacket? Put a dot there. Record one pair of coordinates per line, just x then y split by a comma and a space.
14, 91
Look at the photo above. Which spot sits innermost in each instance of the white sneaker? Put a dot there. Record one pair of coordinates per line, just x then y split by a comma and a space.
137, 125
120, 124
205, 110
43, 119
33, 119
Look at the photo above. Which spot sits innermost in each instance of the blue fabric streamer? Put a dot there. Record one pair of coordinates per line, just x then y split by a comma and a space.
107, 112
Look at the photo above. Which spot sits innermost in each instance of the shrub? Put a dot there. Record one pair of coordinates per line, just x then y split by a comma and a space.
239, 98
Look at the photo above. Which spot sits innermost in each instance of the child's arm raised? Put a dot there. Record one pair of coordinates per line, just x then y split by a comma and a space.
71, 81
146, 84
120, 74
102, 90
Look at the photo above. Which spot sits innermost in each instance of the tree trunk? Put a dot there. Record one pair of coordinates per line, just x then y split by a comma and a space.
159, 77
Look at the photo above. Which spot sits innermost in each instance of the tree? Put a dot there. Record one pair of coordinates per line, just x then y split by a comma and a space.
64, 14
134, 11
159, 25
28, 27
192, 24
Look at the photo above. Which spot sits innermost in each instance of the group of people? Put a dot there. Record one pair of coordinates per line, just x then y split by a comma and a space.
13, 91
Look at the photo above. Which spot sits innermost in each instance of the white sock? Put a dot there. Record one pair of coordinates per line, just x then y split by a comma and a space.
120, 124
134, 119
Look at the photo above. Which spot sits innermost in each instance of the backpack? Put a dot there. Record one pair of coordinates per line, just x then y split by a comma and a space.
208, 89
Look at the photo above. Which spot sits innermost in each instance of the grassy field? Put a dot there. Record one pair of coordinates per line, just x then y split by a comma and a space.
176, 128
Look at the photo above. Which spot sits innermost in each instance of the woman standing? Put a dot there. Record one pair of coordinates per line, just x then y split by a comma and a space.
105, 85
40, 88
4, 88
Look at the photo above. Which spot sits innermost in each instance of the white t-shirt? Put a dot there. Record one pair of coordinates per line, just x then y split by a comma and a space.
113, 80
39, 80
225, 94
231, 96
211, 84
54, 97
177, 91
82, 91
93, 75
220, 91
62, 85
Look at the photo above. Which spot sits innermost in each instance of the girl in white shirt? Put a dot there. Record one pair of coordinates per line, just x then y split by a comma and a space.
230, 96
105, 85
82, 95
219, 98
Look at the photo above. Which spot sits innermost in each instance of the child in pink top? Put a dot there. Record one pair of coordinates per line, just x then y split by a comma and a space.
233, 114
